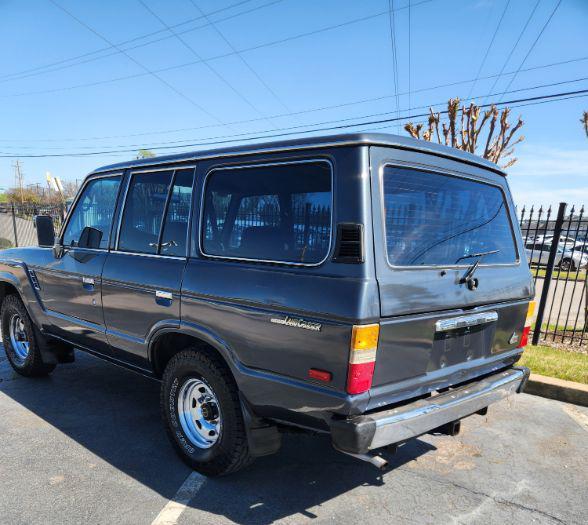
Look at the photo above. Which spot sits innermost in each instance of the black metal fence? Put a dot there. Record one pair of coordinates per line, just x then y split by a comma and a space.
16, 222
556, 245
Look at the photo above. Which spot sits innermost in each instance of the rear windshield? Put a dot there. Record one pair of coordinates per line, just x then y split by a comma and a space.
434, 219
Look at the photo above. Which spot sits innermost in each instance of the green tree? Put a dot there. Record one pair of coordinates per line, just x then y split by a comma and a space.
145, 154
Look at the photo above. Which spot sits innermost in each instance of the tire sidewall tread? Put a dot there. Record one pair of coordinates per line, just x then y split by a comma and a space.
231, 451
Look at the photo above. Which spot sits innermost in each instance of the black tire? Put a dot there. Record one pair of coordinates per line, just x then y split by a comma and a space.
567, 264
231, 451
32, 365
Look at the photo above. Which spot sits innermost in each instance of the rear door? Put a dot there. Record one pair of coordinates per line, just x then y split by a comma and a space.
431, 217
142, 277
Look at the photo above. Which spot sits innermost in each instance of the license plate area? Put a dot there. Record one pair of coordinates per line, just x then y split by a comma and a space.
458, 345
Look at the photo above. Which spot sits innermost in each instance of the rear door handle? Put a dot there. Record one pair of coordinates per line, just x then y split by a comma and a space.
88, 283
163, 298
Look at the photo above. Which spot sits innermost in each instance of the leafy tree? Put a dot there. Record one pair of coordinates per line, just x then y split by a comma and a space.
466, 127
584, 121
145, 154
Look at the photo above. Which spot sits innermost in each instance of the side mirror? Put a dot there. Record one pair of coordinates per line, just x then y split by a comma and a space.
45, 231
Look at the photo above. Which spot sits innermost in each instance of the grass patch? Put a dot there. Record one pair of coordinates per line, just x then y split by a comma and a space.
557, 274
554, 362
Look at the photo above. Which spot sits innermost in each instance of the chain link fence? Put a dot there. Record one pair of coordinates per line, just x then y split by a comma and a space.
17, 227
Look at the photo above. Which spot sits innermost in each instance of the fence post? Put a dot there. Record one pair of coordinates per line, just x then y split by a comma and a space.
549, 271
14, 226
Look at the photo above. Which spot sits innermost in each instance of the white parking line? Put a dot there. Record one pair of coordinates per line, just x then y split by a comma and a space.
170, 514
577, 415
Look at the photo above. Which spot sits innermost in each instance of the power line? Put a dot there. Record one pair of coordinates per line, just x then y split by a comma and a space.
124, 42
312, 110
394, 58
532, 47
217, 57
213, 70
135, 61
409, 50
488, 49
530, 100
323, 123
241, 57
514, 47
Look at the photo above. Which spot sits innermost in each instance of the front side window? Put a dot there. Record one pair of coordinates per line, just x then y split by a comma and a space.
90, 221
434, 219
143, 212
276, 213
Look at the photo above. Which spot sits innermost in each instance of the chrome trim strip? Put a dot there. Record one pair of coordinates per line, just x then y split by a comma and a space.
420, 417
464, 321
264, 165
152, 255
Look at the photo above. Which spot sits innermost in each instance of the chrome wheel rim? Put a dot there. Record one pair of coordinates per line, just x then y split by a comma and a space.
199, 413
19, 338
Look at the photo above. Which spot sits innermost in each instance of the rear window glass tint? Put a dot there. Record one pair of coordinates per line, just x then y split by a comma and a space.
143, 212
434, 219
276, 213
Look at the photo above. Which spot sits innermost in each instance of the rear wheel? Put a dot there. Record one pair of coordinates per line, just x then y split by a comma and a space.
21, 340
202, 414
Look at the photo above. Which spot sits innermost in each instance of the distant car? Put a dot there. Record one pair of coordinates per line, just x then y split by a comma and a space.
566, 258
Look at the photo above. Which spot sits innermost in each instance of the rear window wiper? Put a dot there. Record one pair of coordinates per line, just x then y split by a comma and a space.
468, 277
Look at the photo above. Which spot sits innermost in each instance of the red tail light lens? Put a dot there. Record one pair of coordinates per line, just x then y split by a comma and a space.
525, 337
528, 321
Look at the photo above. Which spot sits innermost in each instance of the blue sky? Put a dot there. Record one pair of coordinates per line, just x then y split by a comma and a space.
53, 102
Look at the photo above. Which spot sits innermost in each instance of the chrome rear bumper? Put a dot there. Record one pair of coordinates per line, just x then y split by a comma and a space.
361, 434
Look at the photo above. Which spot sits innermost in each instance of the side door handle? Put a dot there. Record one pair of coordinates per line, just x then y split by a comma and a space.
88, 283
163, 298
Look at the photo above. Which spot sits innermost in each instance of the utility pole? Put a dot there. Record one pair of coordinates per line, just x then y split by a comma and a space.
18, 180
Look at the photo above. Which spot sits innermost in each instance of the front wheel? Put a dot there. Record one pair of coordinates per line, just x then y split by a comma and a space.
202, 414
21, 340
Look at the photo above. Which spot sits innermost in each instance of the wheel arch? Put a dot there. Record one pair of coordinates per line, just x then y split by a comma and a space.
168, 341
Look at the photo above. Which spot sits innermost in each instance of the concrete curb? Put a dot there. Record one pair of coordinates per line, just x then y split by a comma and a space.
567, 391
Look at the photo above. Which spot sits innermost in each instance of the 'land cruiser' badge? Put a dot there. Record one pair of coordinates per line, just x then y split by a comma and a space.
297, 323
514, 338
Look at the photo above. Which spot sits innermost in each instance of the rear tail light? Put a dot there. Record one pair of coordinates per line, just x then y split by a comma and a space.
527, 328
362, 358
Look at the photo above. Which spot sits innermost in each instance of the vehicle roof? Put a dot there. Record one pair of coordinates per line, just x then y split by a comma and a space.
347, 139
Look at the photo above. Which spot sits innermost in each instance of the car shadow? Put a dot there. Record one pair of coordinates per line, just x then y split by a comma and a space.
114, 414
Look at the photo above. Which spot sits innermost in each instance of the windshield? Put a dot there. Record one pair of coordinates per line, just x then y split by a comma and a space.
434, 219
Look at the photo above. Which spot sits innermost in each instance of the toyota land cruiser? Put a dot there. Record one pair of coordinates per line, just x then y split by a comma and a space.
368, 286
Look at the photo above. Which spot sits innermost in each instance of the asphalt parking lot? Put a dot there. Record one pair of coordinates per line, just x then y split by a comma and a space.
86, 446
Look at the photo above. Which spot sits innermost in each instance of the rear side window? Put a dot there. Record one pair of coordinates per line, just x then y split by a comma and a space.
278, 213
143, 212
175, 228
92, 216
434, 219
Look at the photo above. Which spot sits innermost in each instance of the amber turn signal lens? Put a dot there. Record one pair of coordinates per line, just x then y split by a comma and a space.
365, 337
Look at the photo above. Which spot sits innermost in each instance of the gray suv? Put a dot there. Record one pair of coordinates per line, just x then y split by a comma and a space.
367, 286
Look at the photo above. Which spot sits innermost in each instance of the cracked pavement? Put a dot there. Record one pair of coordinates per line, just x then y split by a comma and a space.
86, 445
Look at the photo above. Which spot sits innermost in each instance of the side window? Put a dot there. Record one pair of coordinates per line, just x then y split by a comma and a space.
175, 228
143, 211
90, 221
270, 213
